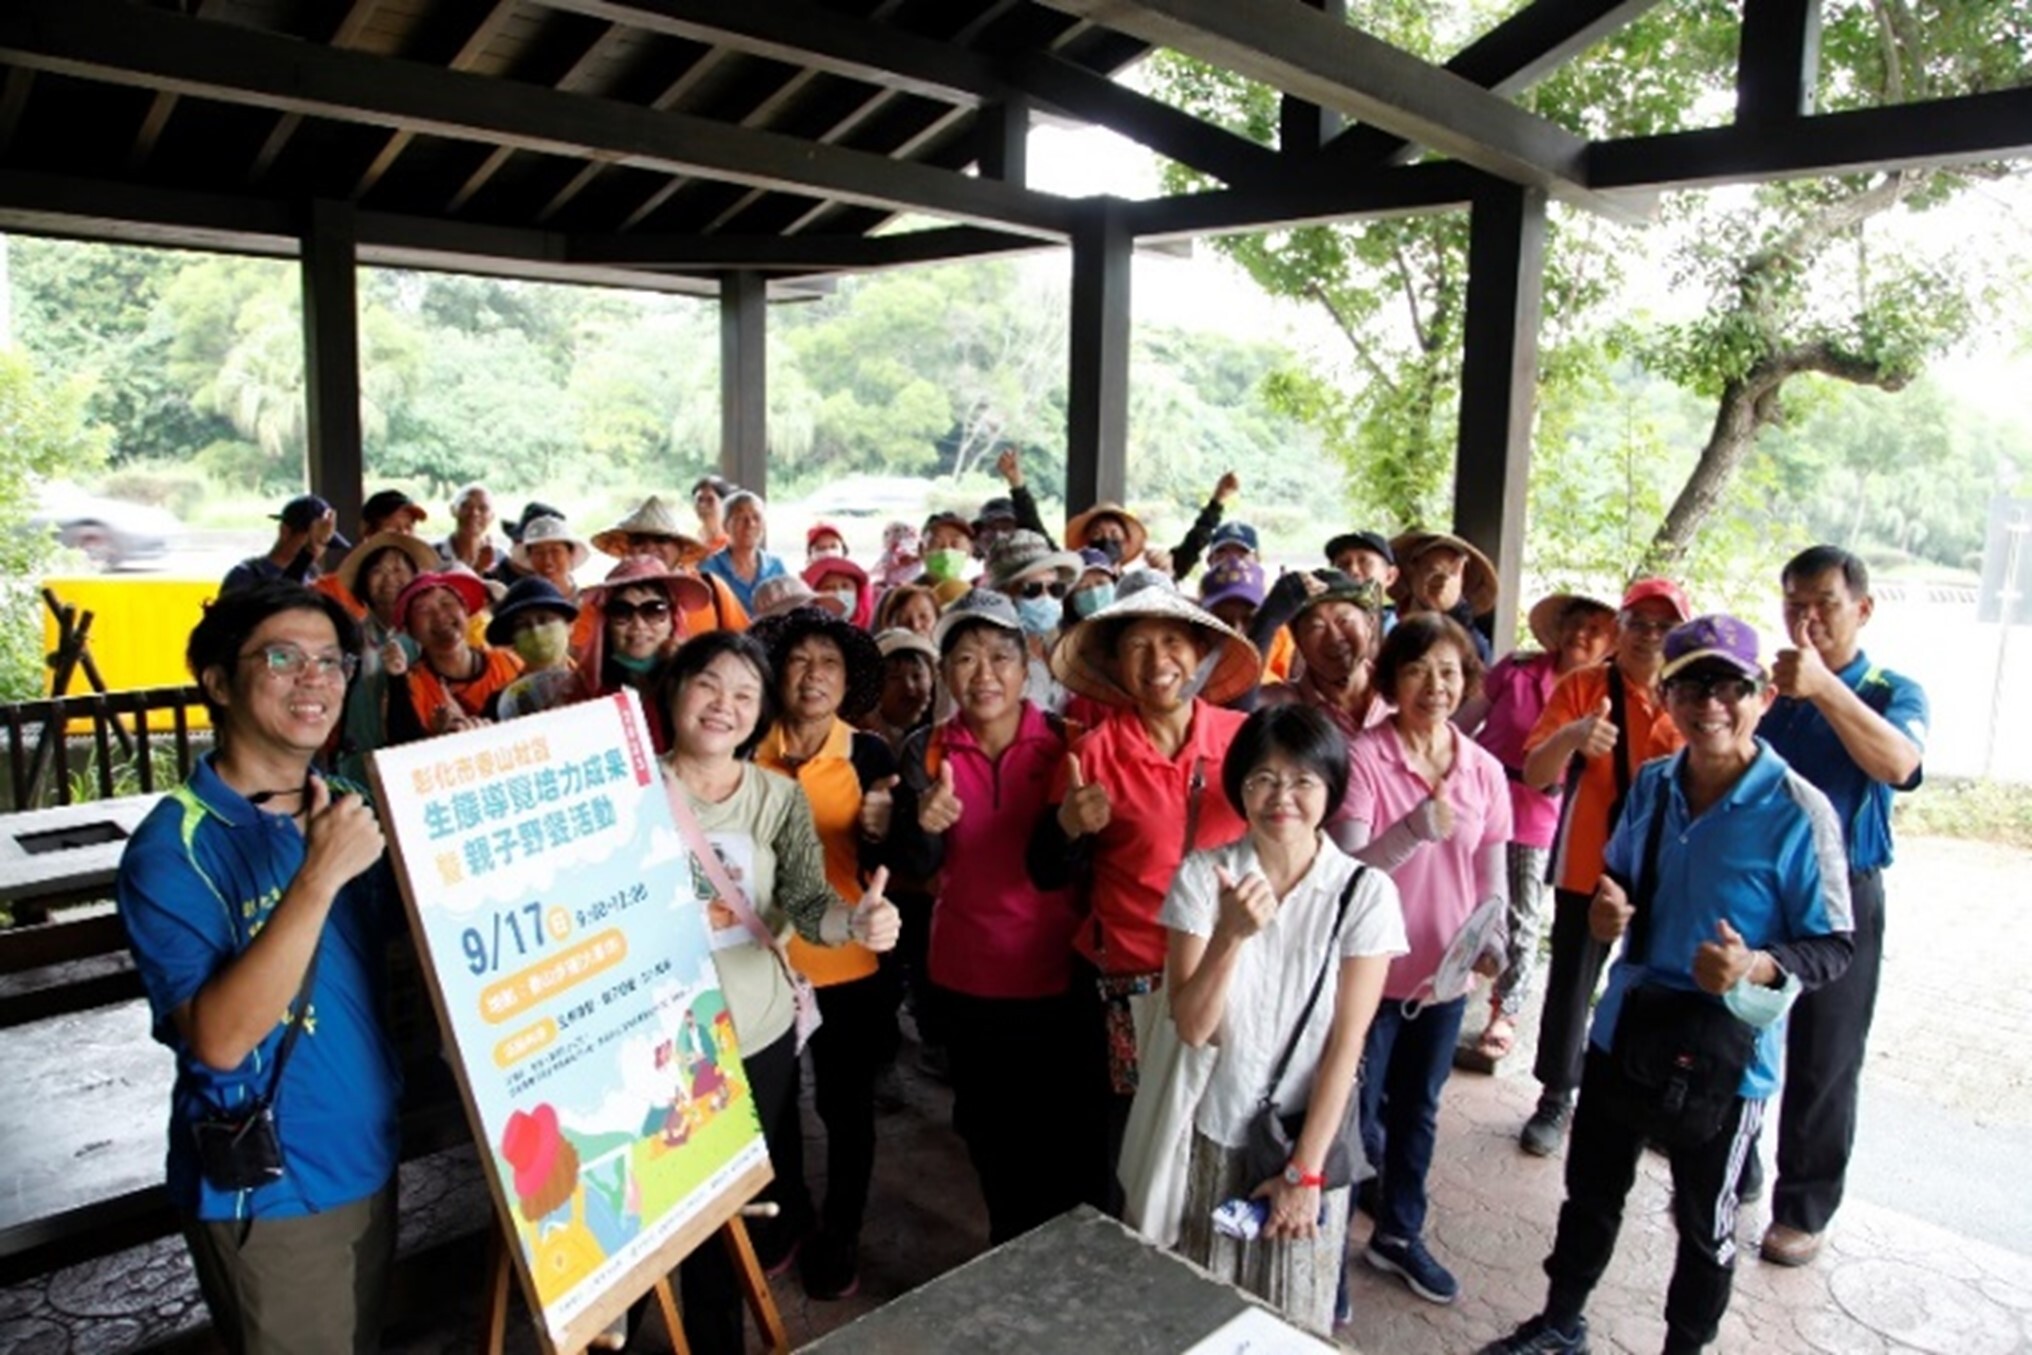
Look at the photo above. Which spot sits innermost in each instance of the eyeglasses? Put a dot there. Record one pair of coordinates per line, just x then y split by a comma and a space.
287, 661
655, 609
1269, 784
1036, 589
1632, 622
1694, 691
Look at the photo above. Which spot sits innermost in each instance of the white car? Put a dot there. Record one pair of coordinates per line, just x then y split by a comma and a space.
110, 532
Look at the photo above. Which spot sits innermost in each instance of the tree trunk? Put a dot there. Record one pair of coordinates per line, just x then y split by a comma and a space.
1747, 405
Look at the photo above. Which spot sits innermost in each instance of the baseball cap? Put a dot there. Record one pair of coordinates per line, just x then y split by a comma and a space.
1717, 636
300, 512
387, 503
1230, 580
1663, 589
1233, 534
1373, 542
823, 528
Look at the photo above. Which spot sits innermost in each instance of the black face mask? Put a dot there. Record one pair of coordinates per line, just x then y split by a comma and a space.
1109, 547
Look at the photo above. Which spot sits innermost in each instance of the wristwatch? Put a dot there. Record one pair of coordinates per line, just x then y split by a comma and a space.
1295, 1175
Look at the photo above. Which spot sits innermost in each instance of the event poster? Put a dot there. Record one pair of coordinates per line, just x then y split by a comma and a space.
573, 972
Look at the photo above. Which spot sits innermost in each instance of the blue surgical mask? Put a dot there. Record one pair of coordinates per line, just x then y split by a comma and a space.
1758, 1006
1038, 615
1090, 600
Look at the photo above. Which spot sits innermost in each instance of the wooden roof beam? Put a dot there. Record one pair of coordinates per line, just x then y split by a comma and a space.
1301, 52
464, 59
1513, 56
1930, 134
799, 253
1440, 186
804, 34
113, 41
344, 34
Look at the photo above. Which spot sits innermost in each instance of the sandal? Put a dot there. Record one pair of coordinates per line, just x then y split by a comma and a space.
1499, 1037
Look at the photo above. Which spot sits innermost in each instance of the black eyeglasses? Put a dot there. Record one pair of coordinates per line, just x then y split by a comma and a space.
655, 609
1037, 589
1693, 691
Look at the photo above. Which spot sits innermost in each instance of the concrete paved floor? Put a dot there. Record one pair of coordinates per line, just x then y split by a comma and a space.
1932, 1253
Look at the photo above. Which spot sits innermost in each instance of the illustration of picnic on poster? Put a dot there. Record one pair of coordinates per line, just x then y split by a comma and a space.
556, 903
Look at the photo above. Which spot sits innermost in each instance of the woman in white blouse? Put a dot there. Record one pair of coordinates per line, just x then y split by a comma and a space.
1251, 929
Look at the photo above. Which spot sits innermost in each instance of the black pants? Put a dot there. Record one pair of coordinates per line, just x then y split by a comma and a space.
1824, 1039
1099, 1115
1016, 1065
1601, 1166
709, 1296
846, 1053
908, 961
1570, 980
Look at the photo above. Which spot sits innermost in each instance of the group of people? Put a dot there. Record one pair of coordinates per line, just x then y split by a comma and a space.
1164, 868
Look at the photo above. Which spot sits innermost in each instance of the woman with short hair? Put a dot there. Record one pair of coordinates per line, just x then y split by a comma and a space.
1432, 807
1253, 928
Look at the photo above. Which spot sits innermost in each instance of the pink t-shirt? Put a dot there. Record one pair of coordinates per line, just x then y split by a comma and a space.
1438, 886
1517, 688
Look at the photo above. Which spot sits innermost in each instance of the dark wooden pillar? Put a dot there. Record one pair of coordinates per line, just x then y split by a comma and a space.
744, 380
331, 359
1097, 389
1004, 132
1499, 378
1777, 61
1303, 128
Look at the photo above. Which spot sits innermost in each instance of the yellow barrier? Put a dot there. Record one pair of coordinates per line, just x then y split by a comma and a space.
139, 629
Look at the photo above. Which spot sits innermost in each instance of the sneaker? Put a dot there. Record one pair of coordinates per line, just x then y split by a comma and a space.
830, 1267
1546, 1129
777, 1242
1750, 1185
1539, 1337
1785, 1246
1409, 1259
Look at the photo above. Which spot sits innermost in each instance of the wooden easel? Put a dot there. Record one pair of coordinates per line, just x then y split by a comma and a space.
734, 1233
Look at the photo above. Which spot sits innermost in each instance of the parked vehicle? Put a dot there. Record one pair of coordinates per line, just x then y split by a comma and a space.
110, 532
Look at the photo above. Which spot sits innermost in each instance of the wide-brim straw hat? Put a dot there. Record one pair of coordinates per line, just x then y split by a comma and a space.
1083, 661
538, 531
686, 593
1076, 528
779, 634
1478, 586
786, 593
1544, 617
652, 517
418, 550
1024, 554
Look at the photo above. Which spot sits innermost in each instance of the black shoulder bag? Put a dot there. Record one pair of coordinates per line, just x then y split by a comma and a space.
1679, 1055
1273, 1135
240, 1150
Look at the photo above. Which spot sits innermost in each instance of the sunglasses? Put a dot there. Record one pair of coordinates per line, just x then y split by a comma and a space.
1037, 589
653, 610
1730, 691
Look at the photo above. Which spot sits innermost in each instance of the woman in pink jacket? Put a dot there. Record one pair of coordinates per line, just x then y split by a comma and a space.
1000, 957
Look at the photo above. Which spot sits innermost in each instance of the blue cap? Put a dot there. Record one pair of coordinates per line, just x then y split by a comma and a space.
1233, 534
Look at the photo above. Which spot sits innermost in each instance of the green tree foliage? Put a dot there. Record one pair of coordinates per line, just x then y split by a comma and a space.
44, 432
1791, 282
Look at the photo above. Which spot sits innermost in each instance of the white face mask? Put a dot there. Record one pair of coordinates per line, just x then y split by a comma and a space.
848, 597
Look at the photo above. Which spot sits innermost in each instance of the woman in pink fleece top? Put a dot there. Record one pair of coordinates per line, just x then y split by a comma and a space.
1001, 949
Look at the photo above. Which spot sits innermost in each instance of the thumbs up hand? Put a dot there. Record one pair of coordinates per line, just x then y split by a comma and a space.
1085, 809
1246, 905
1609, 911
874, 922
878, 801
1800, 671
1722, 963
1596, 733
941, 806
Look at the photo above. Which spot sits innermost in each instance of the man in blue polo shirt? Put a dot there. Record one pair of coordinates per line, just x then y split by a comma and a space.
1737, 862
1856, 731
251, 876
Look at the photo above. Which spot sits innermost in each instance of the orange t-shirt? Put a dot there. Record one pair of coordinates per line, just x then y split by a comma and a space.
1277, 661
833, 786
1585, 827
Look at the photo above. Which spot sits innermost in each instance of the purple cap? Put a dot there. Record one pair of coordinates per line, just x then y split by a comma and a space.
1232, 579
1725, 639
